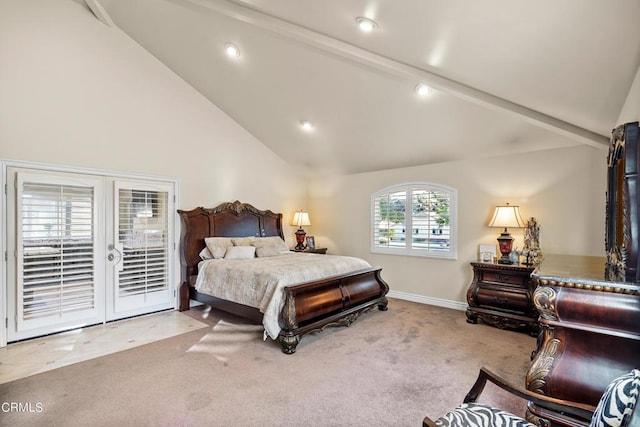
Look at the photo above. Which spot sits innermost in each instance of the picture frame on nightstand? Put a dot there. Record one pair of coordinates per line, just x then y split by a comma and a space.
311, 242
487, 253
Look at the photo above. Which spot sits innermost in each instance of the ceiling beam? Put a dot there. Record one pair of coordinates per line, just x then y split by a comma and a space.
242, 12
99, 12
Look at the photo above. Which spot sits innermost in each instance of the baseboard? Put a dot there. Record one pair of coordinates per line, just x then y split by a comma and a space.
428, 300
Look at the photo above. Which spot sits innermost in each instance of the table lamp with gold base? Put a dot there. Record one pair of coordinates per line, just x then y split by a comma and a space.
506, 216
300, 218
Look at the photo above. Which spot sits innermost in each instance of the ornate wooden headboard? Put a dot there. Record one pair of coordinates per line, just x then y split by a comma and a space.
225, 220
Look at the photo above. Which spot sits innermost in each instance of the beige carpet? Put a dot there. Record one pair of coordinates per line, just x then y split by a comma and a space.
387, 369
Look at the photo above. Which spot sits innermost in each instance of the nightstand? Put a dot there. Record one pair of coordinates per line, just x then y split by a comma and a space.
312, 251
501, 295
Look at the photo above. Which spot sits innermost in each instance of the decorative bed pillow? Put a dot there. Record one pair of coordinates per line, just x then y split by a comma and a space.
240, 252
271, 241
218, 245
242, 241
205, 254
267, 250
618, 401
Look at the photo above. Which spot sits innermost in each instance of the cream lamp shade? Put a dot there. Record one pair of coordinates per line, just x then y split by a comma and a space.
507, 216
300, 219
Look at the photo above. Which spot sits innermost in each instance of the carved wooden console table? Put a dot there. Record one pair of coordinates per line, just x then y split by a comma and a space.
501, 295
590, 331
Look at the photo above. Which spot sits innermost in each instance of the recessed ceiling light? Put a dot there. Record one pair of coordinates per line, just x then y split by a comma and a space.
365, 24
306, 125
423, 90
232, 50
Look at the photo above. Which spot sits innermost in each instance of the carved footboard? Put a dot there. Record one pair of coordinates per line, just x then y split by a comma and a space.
336, 301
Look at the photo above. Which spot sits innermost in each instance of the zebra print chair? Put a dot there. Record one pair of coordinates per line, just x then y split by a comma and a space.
615, 409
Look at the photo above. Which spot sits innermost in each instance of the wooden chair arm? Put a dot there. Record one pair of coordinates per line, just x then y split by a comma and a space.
428, 422
579, 413
580, 410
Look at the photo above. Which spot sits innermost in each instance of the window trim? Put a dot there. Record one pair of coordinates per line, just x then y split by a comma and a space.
408, 187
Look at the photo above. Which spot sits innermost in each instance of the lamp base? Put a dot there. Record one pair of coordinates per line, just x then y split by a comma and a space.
504, 260
505, 241
300, 239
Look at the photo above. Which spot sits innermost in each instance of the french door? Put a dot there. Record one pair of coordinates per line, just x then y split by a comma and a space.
138, 248
84, 249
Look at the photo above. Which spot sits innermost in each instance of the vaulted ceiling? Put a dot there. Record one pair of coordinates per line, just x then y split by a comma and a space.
507, 76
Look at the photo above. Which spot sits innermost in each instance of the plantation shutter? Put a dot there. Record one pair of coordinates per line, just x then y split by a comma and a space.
380, 226
55, 251
142, 233
389, 228
430, 226
416, 219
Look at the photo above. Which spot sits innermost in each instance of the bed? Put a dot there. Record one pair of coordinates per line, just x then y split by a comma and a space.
305, 307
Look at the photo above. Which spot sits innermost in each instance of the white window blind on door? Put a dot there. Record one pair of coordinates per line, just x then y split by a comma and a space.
142, 231
55, 252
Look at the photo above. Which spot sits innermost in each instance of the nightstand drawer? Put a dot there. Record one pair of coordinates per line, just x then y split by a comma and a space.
517, 302
504, 278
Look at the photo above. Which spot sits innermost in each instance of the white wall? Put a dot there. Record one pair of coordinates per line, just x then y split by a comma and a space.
76, 92
631, 110
564, 189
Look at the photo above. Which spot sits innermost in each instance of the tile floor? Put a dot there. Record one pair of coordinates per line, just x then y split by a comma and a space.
26, 358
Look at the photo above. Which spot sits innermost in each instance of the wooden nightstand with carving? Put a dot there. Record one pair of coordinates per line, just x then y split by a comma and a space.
312, 251
501, 295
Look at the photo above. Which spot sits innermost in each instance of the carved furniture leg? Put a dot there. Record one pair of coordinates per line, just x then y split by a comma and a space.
289, 343
184, 297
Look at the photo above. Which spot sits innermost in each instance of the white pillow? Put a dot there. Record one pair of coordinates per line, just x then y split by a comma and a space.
218, 245
267, 250
276, 241
240, 252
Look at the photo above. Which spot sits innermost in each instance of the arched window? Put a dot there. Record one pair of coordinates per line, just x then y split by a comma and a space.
427, 210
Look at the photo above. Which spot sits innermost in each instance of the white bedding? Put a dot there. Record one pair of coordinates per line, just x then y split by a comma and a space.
258, 282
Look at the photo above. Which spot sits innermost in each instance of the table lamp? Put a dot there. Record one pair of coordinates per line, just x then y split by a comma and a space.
506, 216
300, 218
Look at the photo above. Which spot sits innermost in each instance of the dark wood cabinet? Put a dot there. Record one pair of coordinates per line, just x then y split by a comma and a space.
589, 332
590, 306
501, 295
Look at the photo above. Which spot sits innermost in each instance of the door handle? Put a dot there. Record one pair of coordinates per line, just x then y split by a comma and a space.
111, 256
